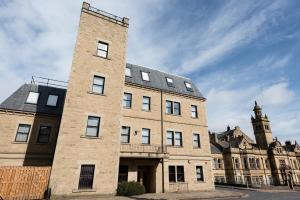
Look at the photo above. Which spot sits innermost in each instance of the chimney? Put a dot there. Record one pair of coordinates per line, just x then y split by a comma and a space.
213, 137
228, 128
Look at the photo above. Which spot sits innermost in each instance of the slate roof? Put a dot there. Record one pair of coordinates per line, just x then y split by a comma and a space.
215, 149
158, 81
17, 101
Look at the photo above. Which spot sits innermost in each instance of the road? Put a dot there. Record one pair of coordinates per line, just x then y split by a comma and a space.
256, 195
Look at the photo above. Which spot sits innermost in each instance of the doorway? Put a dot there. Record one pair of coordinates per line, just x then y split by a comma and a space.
146, 176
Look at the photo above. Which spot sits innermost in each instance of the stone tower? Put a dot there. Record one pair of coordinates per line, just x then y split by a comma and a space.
88, 144
261, 128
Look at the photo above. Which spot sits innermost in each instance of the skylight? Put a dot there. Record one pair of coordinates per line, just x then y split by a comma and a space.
145, 76
170, 82
188, 86
127, 71
33, 97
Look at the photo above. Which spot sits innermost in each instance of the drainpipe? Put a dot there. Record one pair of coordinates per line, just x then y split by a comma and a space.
162, 139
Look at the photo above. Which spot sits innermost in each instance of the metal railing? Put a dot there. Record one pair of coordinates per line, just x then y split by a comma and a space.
101, 12
48, 82
139, 148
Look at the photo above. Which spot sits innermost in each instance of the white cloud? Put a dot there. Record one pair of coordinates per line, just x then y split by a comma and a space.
276, 95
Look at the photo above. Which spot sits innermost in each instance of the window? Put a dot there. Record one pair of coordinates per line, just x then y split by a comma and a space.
44, 134
173, 108
194, 111
178, 139
146, 103
102, 49
237, 163
267, 164
52, 100
266, 127
169, 107
86, 177
176, 108
145, 136
172, 174
127, 100
188, 87
92, 129
98, 84
199, 173
127, 71
246, 163
145, 76
22, 133
123, 173
33, 97
170, 138
170, 82
125, 134
196, 140
176, 174
220, 166
257, 163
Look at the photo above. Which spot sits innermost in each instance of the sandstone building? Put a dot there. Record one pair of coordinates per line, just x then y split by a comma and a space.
237, 159
114, 122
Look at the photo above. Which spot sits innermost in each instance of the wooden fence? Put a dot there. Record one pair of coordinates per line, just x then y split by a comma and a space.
18, 183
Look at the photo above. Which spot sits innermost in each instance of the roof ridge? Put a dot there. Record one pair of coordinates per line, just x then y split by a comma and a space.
160, 71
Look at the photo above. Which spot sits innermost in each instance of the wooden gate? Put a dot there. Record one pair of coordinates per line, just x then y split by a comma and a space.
18, 183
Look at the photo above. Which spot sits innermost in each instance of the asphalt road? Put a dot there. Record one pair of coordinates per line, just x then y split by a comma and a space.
255, 195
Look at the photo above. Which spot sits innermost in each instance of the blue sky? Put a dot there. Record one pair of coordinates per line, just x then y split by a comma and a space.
235, 51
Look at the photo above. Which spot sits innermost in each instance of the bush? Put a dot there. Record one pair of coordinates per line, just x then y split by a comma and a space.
130, 188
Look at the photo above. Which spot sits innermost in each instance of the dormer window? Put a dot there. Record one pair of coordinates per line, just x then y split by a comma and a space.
127, 72
52, 100
102, 49
188, 86
145, 76
33, 97
170, 82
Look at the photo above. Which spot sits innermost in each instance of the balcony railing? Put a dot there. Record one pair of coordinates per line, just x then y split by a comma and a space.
139, 148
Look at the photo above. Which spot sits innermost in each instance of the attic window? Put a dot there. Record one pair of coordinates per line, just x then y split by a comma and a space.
145, 76
33, 97
188, 86
127, 71
52, 100
170, 82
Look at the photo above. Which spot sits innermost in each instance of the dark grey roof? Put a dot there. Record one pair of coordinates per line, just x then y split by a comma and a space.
215, 149
17, 101
158, 81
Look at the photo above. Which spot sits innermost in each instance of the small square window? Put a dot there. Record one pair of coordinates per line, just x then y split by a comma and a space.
127, 72
145, 136
127, 98
33, 97
145, 76
170, 82
125, 134
52, 100
44, 134
102, 49
146, 103
93, 125
188, 86
98, 84
22, 133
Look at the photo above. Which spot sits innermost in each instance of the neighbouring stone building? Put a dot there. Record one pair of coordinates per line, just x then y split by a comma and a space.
114, 122
237, 159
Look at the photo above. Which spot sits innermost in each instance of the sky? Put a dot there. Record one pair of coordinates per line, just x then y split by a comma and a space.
235, 51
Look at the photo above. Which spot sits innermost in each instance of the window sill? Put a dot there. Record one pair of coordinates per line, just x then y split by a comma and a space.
95, 93
196, 147
15, 142
83, 190
174, 115
101, 57
90, 137
146, 110
175, 146
195, 117
126, 107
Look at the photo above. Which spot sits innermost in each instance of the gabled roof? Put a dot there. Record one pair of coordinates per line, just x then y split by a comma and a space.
215, 149
157, 80
17, 101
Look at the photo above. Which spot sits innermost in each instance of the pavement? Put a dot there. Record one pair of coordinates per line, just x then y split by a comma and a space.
218, 194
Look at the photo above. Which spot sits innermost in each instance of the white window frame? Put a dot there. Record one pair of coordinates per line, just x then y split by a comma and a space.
145, 76
33, 97
102, 47
127, 71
